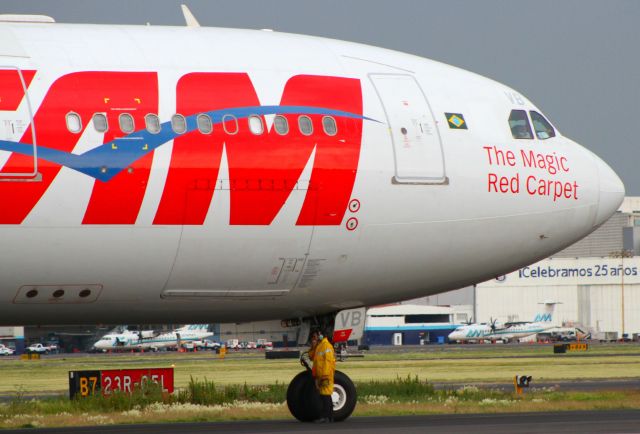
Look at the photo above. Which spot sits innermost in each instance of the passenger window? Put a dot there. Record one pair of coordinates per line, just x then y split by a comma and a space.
305, 125
74, 123
329, 126
544, 130
519, 124
178, 124
100, 122
127, 125
205, 126
230, 124
281, 125
152, 122
255, 125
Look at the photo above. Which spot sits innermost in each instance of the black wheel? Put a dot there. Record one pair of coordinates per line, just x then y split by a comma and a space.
304, 401
302, 398
344, 397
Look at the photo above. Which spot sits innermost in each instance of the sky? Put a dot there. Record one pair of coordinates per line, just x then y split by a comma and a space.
577, 60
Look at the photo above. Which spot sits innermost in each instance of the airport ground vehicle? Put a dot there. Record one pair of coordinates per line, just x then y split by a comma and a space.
207, 344
6, 351
264, 344
232, 344
42, 349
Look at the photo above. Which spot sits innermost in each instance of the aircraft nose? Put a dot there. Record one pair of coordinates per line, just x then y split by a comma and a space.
611, 192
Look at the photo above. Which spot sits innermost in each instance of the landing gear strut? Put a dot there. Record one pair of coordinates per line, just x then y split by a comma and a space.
304, 401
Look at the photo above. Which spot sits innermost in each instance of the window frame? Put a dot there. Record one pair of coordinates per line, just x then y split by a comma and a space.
77, 117
106, 122
133, 122
146, 123
335, 125
300, 119
528, 124
224, 123
198, 123
173, 126
286, 124
544, 120
261, 125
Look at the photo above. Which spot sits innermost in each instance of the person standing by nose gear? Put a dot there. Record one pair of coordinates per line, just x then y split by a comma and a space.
324, 368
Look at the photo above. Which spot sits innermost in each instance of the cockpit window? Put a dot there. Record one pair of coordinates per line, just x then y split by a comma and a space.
519, 124
544, 130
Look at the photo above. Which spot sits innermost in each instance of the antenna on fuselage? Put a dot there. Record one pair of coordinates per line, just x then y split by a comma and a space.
189, 17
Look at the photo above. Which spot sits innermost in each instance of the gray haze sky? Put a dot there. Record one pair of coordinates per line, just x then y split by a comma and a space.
578, 60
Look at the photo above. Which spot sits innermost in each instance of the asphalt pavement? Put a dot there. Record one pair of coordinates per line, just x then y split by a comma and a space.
521, 423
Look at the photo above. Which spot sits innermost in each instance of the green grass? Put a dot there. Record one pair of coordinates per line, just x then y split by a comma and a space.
400, 389
205, 392
203, 400
496, 363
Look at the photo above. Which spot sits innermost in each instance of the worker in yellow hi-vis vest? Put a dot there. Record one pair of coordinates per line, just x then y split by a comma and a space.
324, 369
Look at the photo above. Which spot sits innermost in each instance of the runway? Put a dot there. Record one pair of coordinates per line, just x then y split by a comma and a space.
559, 422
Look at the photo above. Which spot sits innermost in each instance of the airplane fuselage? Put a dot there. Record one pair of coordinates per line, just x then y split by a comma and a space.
484, 332
147, 340
209, 175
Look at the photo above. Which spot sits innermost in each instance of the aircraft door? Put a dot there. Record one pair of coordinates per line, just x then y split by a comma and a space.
16, 125
397, 339
416, 140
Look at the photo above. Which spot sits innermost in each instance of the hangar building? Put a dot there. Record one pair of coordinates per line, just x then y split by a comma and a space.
406, 324
599, 294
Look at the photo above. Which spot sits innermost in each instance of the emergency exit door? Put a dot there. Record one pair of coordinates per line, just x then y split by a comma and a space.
416, 142
16, 125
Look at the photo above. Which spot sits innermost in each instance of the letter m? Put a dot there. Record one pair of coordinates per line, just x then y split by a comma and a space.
265, 168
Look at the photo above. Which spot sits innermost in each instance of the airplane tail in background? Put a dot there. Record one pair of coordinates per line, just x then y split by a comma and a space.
547, 315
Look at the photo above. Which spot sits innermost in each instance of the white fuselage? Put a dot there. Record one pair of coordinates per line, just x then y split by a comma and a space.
132, 340
482, 332
188, 333
125, 340
245, 224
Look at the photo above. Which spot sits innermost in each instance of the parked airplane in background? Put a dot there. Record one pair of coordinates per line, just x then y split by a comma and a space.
508, 331
191, 333
153, 174
124, 339
149, 340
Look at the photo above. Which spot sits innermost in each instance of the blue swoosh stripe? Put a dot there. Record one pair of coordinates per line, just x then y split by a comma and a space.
109, 159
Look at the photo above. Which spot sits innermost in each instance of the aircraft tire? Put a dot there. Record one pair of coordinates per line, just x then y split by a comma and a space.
347, 397
293, 394
302, 399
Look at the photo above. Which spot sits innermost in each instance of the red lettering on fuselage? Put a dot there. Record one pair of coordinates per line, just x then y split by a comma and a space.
195, 158
84, 93
114, 93
263, 168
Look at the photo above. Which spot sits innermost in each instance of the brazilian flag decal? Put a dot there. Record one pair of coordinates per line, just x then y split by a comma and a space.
456, 121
